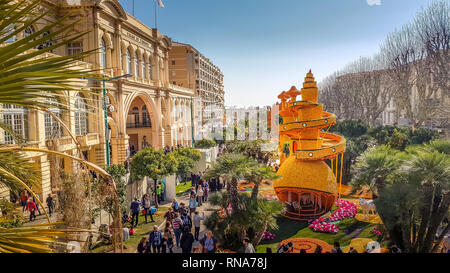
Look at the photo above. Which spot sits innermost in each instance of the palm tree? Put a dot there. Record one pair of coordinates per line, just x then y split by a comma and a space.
373, 168
25, 73
413, 192
257, 175
232, 168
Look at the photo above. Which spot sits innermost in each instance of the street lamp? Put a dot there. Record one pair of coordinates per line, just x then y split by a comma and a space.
104, 80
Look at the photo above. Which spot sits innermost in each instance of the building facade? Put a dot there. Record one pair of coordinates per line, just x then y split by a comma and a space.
189, 68
144, 109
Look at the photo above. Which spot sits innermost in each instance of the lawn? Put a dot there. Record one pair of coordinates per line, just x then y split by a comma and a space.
292, 229
142, 230
182, 188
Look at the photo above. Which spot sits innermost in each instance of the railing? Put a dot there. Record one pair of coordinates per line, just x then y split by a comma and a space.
139, 125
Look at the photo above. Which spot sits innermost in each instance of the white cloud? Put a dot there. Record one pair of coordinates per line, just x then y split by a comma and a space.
373, 2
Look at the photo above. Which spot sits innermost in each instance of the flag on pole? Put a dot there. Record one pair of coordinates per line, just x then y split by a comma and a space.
160, 3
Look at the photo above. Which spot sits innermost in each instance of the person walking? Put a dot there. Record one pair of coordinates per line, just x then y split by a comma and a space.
187, 239
248, 247
177, 225
158, 192
192, 206
24, 200
197, 224
141, 248
168, 239
169, 215
205, 187
135, 209
175, 205
37, 205
155, 239
146, 204
200, 194
208, 244
50, 204
187, 220
31, 207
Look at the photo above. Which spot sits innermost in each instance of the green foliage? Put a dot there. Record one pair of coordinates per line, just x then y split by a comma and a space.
118, 173
186, 158
398, 140
399, 136
439, 145
10, 216
252, 148
250, 220
205, 144
374, 166
412, 191
350, 128
152, 163
21, 167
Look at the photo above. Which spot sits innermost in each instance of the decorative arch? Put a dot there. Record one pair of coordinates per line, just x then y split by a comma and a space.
115, 6
151, 106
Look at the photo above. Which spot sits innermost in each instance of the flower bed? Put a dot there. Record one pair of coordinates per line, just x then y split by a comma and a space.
268, 236
347, 210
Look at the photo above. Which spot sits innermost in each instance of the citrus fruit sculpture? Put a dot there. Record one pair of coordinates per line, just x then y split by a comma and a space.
308, 185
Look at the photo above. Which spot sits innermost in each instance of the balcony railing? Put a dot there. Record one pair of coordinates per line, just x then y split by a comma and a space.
139, 125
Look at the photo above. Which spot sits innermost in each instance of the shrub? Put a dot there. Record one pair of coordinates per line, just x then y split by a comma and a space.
205, 144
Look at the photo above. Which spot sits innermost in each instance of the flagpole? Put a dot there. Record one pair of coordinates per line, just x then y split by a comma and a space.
133, 7
156, 26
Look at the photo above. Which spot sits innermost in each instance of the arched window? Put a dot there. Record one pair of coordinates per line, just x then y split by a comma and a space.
135, 113
53, 128
81, 115
136, 65
128, 62
144, 68
16, 118
146, 121
103, 53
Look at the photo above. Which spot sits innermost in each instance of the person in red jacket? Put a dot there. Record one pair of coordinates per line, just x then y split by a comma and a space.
31, 207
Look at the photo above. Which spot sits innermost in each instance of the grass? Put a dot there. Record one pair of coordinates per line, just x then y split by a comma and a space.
182, 188
142, 230
292, 229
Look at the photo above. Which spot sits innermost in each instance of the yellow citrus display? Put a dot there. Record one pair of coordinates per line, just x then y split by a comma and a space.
308, 185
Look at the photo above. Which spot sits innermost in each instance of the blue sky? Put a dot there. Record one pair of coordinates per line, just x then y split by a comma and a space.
265, 46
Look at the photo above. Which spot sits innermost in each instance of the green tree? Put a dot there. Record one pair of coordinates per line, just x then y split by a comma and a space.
257, 149
374, 167
186, 158
417, 201
154, 164
205, 144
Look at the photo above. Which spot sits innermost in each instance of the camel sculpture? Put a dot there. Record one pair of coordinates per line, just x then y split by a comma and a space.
367, 206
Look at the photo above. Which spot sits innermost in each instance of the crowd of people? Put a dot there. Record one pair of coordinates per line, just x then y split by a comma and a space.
183, 221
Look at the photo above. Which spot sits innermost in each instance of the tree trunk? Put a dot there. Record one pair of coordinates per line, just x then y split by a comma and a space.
234, 200
255, 191
435, 220
425, 211
259, 235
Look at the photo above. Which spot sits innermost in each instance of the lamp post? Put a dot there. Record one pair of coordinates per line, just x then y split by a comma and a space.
105, 110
